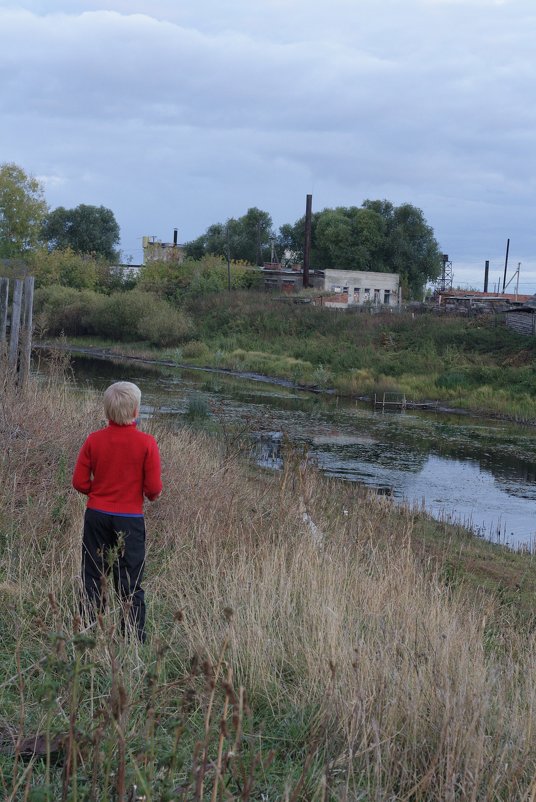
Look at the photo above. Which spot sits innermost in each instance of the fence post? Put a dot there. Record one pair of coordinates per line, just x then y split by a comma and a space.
15, 324
27, 322
4, 294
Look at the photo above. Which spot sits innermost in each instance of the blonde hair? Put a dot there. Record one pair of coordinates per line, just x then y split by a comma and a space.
122, 402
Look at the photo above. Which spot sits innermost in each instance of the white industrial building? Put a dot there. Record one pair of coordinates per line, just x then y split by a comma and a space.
355, 288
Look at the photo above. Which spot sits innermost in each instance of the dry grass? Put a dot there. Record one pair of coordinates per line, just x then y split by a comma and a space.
367, 674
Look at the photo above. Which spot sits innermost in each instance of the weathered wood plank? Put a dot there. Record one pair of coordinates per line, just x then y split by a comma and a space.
27, 325
4, 296
16, 309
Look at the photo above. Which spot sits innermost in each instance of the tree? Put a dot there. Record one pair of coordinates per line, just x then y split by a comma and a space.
409, 247
349, 238
377, 236
22, 210
247, 238
85, 229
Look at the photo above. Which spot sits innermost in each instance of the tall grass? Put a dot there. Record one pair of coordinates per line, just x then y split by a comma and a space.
300, 647
418, 355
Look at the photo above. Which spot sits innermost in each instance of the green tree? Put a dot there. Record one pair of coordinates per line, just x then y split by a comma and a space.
377, 236
409, 245
247, 238
22, 210
85, 229
348, 238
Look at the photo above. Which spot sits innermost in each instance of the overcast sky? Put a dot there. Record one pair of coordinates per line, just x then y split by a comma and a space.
182, 113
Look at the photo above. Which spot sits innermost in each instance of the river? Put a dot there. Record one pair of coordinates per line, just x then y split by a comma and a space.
475, 471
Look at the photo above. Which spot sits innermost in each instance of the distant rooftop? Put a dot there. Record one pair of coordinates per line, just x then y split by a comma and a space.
486, 296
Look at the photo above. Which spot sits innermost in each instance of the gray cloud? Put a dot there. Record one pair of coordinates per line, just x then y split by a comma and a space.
184, 114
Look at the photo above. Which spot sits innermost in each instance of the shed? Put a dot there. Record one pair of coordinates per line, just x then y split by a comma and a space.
523, 318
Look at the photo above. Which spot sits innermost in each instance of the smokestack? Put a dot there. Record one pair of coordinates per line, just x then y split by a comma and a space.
307, 244
486, 274
175, 235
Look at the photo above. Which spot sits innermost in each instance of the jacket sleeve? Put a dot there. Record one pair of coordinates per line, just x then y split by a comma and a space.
152, 478
82, 470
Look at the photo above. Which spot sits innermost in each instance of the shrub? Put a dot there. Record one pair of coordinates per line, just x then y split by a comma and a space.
322, 376
195, 277
119, 316
65, 309
197, 408
64, 267
163, 325
195, 350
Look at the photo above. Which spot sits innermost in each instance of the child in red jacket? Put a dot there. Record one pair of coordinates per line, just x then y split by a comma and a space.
116, 468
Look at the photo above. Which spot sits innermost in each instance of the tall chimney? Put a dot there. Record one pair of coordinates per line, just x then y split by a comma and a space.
506, 264
307, 244
486, 274
175, 236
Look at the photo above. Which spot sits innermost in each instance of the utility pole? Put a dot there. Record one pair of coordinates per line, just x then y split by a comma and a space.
307, 244
506, 264
259, 250
228, 249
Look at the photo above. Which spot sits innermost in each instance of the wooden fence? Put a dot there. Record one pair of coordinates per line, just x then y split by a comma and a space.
16, 310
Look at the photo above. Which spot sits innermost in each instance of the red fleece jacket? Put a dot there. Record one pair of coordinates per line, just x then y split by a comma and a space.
116, 468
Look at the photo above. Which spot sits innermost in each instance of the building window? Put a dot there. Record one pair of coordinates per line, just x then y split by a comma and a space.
387, 296
356, 295
366, 295
376, 296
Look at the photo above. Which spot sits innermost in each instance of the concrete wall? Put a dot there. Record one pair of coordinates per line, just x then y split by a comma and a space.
364, 286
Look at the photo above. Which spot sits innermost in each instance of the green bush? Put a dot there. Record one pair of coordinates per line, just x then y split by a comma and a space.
194, 277
64, 309
131, 315
195, 350
163, 325
63, 267
197, 408
120, 314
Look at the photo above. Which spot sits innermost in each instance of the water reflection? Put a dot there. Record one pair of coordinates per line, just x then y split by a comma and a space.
479, 472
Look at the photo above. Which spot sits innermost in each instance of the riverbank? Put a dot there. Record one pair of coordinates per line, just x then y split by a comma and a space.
139, 352
470, 363
354, 628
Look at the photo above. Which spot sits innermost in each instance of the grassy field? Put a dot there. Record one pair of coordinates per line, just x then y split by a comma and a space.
471, 363
307, 640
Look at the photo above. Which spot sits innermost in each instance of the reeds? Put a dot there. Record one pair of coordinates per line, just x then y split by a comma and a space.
284, 661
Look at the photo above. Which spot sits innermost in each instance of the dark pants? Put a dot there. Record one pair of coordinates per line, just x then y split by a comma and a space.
114, 544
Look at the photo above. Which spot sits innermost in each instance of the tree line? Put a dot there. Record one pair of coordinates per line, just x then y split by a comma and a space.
376, 236
27, 223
